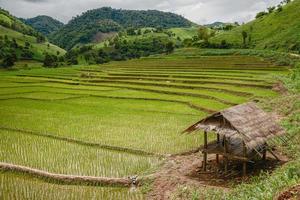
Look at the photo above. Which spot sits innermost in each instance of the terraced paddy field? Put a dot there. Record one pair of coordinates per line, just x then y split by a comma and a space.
115, 120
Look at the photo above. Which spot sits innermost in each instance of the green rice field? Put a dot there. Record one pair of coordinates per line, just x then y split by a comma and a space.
115, 120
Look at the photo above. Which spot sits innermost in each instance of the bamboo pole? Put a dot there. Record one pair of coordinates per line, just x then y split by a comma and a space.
218, 142
244, 163
225, 151
205, 152
264, 152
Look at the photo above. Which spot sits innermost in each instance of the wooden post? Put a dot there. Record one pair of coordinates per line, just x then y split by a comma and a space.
205, 151
225, 151
265, 152
218, 142
245, 156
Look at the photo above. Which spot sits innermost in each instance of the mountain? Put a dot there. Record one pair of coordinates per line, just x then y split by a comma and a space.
21, 41
215, 24
222, 25
83, 28
44, 24
276, 30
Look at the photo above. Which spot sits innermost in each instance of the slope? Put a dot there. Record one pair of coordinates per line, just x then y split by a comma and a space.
44, 24
23, 41
82, 29
278, 30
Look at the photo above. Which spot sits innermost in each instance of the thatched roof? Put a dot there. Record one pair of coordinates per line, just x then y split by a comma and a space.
246, 121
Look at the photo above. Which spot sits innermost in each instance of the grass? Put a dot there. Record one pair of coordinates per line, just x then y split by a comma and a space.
106, 121
185, 33
37, 48
138, 104
283, 24
5, 19
66, 158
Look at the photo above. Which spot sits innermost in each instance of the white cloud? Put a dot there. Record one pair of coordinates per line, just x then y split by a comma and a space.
199, 11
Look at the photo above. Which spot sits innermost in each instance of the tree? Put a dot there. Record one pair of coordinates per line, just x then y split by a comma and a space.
228, 27
224, 44
260, 14
27, 54
170, 47
244, 35
14, 43
50, 61
40, 39
139, 32
9, 60
271, 9
72, 60
203, 34
130, 31
27, 45
279, 8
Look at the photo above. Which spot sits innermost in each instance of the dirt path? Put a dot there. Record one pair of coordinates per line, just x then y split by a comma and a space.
178, 170
68, 179
291, 194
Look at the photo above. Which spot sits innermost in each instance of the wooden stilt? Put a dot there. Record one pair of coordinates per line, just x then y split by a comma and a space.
205, 152
217, 155
265, 152
225, 158
269, 150
244, 163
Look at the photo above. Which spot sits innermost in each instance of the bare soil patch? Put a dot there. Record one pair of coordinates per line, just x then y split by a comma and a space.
291, 194
279, 87
187, 170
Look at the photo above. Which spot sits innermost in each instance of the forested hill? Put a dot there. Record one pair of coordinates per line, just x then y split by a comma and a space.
277, 28
44, 24
19, 41
83, 28
11, 22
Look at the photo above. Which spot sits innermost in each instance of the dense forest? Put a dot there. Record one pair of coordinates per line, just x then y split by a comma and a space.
82, 29
44, 24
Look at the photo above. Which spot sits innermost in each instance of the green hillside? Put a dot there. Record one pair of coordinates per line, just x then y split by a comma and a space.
21, 42
132, 43
82, 29
11, 22
278, 30
37, 48
185, 33
44, 24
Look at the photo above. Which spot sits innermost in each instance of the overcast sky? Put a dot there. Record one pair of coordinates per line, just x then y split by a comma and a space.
199, 11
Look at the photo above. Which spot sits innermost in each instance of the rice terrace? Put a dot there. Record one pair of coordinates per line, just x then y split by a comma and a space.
104, 118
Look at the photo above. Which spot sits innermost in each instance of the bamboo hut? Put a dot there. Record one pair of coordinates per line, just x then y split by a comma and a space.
241, 132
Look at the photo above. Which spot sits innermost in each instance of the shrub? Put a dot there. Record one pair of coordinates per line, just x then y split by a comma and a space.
260, 14
284, 61
9, 60
170, 47
50, 61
